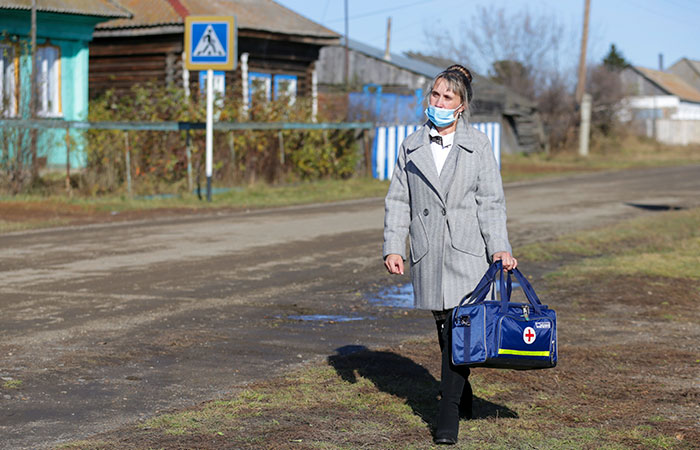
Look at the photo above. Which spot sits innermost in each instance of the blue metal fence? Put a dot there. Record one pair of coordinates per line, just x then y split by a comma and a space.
383, 107
388, 139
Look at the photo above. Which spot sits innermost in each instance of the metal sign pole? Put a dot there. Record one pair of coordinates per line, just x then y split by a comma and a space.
210, 129
210, 44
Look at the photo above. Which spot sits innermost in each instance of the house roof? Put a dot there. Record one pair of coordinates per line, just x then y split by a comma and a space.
671, 83
404, 62
97, 8
693, 64
260, 15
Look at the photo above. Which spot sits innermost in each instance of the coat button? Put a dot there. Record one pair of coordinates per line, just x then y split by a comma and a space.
426, 212
444, 211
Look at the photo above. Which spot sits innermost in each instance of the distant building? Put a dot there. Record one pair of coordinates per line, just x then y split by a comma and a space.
662, 105
390, 89
688, 70
64, 29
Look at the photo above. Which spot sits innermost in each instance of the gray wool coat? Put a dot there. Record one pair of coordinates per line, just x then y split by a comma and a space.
456, 221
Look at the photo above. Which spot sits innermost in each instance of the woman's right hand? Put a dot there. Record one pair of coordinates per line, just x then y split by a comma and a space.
394, 264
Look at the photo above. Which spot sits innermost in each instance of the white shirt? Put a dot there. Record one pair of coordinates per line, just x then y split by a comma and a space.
440, 152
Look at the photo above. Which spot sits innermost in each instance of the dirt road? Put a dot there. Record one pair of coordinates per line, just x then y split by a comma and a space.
105, 324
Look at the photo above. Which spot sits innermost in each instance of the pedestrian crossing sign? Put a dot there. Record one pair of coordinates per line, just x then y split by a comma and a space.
210, 42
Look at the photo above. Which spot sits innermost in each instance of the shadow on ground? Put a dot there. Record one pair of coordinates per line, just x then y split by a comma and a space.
404, 378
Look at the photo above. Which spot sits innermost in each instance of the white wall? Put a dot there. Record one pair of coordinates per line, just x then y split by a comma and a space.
679, 132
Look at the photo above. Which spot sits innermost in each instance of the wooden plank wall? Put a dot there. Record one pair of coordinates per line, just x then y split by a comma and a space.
119, 63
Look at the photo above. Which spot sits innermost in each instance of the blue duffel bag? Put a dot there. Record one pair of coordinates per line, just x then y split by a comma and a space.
500, 334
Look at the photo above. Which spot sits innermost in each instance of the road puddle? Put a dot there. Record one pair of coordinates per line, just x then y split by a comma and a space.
327, 318
400, 296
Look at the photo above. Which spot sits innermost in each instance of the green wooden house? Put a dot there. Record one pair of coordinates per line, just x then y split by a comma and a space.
64, 29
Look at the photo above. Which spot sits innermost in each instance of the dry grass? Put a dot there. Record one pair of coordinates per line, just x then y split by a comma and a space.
606, 154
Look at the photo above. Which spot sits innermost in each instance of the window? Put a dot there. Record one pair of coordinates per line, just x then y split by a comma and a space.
8, 81
219, 88
259, 85
286, 86
219, 83
48, 67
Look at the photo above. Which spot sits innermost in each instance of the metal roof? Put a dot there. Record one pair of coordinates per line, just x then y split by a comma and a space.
410, 64
97, 8
431, 70
261, 15
671, 83
694, 64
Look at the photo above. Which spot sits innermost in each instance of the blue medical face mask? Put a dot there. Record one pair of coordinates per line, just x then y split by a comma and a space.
441, 117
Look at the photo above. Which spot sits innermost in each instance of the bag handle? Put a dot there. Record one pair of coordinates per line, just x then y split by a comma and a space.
482, 289
506, 288
528, 289
508, 285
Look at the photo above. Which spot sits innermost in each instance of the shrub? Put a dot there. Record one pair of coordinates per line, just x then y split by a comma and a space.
159, 161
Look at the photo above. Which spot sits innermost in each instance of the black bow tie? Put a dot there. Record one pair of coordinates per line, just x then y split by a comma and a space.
434, 138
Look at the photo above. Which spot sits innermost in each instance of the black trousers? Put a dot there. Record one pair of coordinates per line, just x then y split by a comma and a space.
455, 390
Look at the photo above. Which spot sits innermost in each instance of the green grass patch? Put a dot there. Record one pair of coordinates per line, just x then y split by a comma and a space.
25, 212
253, 196
606, 154
666, 244
8, 227
294, 400
12, 384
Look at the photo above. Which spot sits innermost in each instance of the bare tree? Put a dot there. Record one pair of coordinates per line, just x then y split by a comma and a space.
522, 50
605, 86
556, 105
533, 54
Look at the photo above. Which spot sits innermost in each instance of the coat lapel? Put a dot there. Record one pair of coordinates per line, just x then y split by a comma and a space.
464, 136
462, 147
418, 151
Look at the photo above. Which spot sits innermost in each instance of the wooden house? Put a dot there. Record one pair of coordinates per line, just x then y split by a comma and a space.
63, 30
277, 48
391, 89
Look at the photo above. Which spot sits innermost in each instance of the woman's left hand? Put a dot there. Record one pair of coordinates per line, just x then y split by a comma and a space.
509, 263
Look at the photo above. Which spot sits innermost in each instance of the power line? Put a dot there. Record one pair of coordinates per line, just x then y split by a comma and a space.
325, 10
692, 5
658, 14
398, 30
382, 11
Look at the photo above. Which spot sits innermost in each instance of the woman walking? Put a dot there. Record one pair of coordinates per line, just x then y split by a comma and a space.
446, 194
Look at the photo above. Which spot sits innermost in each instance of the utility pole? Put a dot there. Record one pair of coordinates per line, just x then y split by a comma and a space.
583, 99
581, 86
387, 51
347, 49
585, 130
655, 117
32, 96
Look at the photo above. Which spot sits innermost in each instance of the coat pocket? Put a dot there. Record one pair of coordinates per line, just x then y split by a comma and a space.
466, 237
419, 239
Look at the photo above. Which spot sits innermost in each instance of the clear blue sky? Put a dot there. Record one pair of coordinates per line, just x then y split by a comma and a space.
640, 29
